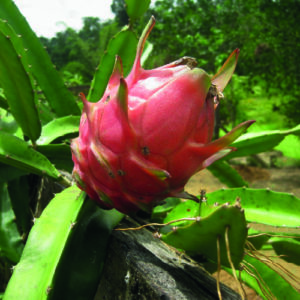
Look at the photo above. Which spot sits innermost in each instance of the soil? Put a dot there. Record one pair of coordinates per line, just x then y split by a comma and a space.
280, 180
277, 179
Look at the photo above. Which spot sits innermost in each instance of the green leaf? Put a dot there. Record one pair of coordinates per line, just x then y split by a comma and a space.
200, 237
184, 209
280, 288
9, 124
45, 246
59, 128
258, 238
123, 44
288, 248
59, 155
3, 103
11, 245
253, 143
227, 174
136, 8
78, 274
65, 250
60, 99
45, 111
20, 200
17, 153
262, 205
159, 212
8, 173
16, 83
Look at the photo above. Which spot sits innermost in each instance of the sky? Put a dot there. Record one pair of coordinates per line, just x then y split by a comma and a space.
46, 17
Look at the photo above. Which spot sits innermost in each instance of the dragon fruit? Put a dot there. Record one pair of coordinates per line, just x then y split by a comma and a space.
150, 132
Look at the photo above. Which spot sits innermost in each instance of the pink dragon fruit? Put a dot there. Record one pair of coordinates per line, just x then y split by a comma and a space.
150, 132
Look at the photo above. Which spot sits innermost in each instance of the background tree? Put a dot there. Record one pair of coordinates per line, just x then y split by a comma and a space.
78, 53
118, 8
266, 31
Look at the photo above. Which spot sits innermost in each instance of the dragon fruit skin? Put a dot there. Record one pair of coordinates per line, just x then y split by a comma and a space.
150, 133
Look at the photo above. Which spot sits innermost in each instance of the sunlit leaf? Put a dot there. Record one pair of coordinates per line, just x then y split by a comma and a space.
262, 205
58, 128
17, 153
257, 142
65, 250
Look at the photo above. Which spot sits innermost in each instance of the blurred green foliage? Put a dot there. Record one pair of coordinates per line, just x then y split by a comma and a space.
266, 31
78, 52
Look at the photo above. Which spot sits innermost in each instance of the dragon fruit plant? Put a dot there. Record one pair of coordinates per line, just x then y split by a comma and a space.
150, 132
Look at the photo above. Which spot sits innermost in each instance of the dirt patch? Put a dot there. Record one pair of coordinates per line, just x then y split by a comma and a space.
252, 174
280, 180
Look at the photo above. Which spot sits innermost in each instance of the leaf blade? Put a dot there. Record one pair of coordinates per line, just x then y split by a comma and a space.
257, 142
280, 288
226, 174
65, 250
262, 205
59, 128
17, 84
11, 245
44, 245
17, 153
42, 67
